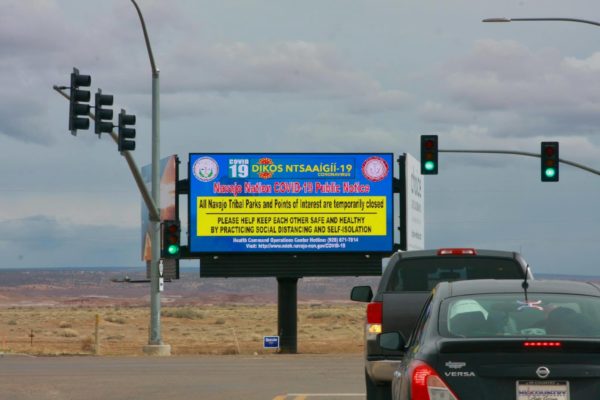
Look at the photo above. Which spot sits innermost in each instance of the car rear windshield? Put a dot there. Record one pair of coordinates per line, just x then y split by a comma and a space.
541, 315
422, 274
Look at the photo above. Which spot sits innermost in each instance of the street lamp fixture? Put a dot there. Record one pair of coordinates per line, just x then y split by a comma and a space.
503, 19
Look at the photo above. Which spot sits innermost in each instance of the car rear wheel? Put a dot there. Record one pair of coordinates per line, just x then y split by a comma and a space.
377, 392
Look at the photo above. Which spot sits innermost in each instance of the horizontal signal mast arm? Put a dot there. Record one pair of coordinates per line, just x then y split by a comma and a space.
524, 153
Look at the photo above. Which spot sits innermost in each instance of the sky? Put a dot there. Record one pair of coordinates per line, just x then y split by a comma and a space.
290, 76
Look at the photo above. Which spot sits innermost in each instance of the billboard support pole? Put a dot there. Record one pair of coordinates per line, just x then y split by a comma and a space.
287, 314
402, 209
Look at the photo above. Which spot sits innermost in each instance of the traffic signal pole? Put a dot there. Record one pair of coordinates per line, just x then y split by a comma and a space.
155, 345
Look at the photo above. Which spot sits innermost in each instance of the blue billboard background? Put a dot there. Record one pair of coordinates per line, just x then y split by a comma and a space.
220, 181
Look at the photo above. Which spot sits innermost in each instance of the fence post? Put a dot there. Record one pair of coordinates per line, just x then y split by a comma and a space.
96, 335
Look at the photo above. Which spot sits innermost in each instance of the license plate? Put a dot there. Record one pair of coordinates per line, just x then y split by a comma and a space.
546, 390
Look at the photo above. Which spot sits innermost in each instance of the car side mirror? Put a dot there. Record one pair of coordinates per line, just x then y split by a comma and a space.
361, 293
391, 341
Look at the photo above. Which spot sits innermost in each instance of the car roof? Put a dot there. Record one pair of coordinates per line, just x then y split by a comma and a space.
483, 286
434, 253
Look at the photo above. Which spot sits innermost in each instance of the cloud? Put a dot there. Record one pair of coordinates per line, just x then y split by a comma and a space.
40, 42
197, 76
21, 23
22, 118
299, 68
31, 34
443, 113
520, 92
44, 241
500, 75
331, 137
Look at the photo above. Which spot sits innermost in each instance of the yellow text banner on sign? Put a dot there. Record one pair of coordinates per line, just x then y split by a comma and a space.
291, 216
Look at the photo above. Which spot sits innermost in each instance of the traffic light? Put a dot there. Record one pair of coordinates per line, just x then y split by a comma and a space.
429, 154
78, 110
170, 239
549, 156
126, 134
104, 116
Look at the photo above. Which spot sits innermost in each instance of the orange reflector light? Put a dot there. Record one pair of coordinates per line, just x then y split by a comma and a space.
374, 328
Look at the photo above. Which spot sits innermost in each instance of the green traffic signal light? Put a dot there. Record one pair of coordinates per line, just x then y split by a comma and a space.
171, 236
173, 249
429, 165
550, 161
550, 172
429, 154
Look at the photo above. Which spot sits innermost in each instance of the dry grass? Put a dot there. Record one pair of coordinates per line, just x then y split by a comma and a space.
212, 329
182, 312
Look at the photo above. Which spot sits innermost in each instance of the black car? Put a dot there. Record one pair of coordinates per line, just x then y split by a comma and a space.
502, 339
403, 288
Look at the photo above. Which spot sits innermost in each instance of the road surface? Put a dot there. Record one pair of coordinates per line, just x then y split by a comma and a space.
265, 377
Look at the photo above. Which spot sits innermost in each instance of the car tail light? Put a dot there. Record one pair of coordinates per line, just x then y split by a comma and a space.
426, 384
542, 344
457, 252
374, 316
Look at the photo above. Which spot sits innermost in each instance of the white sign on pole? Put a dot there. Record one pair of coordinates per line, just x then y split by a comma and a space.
415, 204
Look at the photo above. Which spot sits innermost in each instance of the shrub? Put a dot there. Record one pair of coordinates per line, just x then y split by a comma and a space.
69, 333
87, 344
229, 351
64, 324
187, 313
115, 320
320, 314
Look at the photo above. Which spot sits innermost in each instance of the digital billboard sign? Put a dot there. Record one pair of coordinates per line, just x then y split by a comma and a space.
310, 202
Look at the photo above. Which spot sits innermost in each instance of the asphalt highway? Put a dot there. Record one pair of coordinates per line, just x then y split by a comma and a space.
270, 377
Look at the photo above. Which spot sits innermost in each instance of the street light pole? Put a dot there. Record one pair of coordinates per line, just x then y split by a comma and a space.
583, 21
155, 345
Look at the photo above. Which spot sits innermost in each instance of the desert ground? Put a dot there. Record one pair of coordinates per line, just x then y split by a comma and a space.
54, 312
207, 329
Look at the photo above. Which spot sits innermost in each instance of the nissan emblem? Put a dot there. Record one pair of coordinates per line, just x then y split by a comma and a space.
542, 372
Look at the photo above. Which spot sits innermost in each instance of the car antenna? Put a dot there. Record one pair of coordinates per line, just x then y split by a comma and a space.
525, 284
